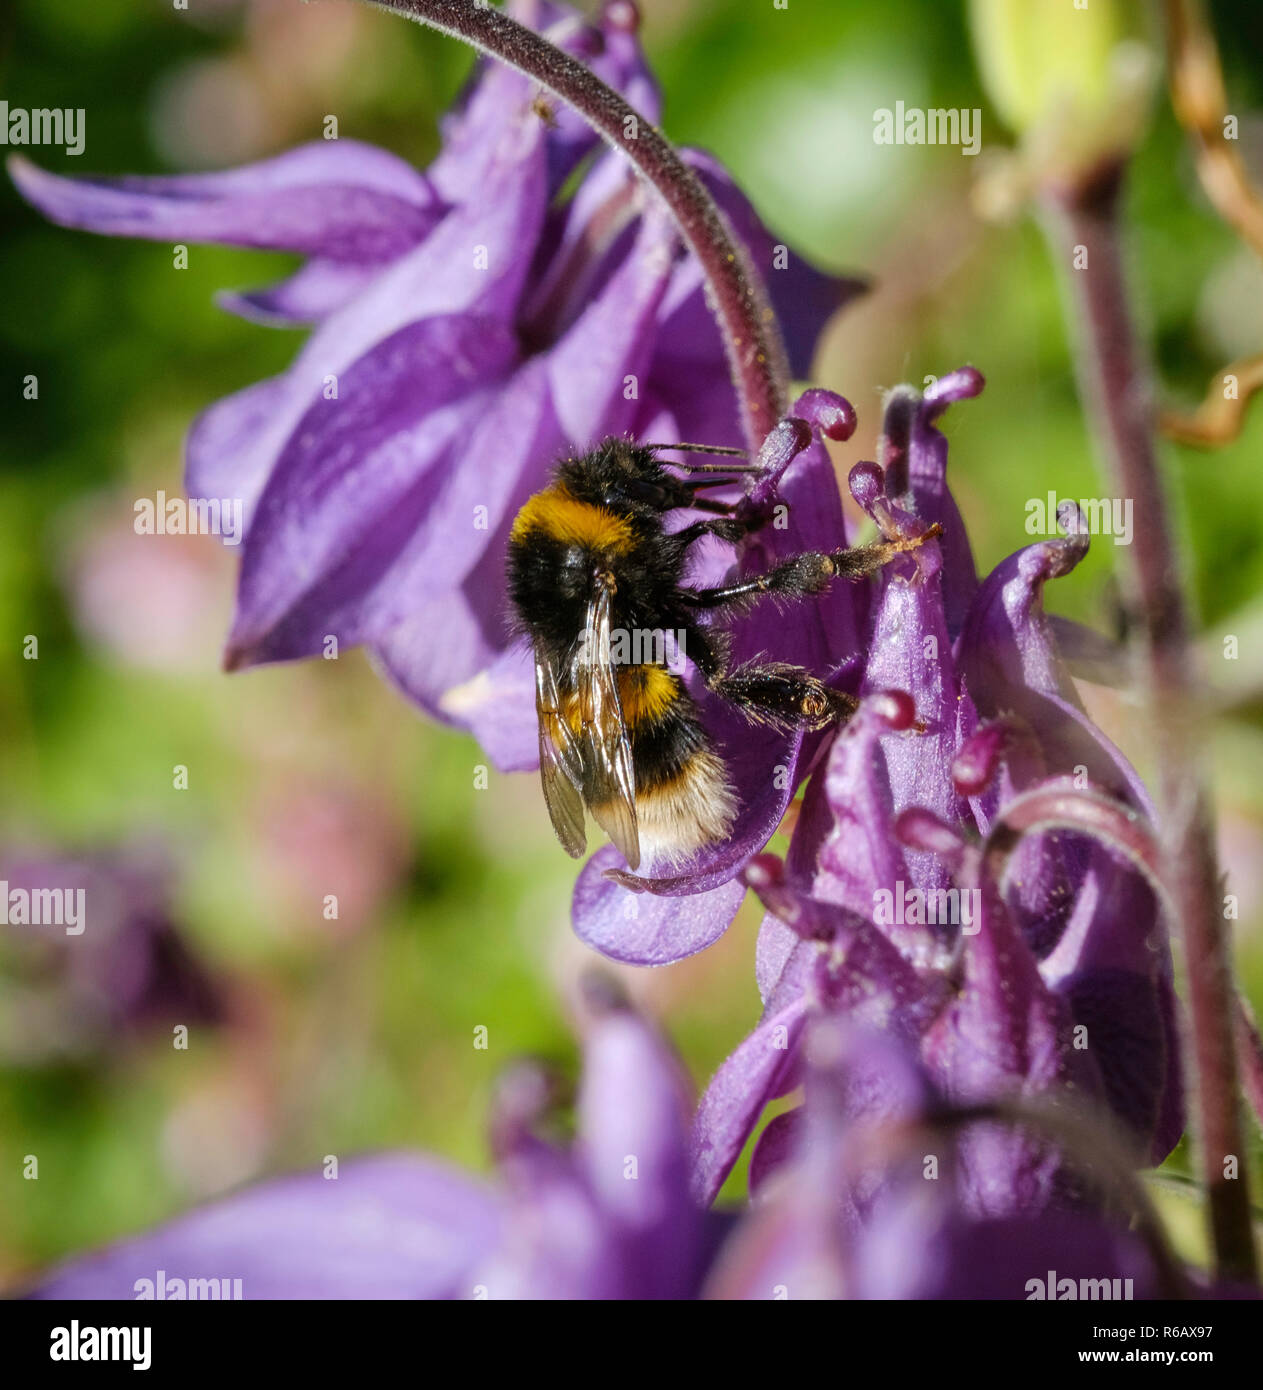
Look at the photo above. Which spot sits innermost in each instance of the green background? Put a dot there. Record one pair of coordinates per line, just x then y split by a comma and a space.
359, 1034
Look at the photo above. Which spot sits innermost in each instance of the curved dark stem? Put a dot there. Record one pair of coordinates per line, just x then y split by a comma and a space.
752, 339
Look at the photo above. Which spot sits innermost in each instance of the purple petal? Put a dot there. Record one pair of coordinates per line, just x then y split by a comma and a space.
861, 855
611, 340
582, 243
644, 929
312, 293
731, 1105
1008, 658
497, 705
779, 1251
337, 198
775, 946
775, 1148
350, 489
803, 298
222, 457
859, 976
394, 1226
915, 457
1113, 966
822, 633
655, 920
443, 490
913, 1253
498, 98
443, 276
1005, 1029
1005, 1033
798, 1240
911, 651
556, 1242
573, 394
633, 1109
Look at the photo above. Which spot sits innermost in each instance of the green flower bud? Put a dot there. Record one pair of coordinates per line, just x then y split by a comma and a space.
1073, 78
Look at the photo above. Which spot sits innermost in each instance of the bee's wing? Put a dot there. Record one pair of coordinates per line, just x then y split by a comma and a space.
560, 763
609, 781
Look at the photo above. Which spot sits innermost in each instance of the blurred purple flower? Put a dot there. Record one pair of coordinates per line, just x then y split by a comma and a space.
470, 328
1052, 976
111, 964
873, 1202
609, 1216
605, 1216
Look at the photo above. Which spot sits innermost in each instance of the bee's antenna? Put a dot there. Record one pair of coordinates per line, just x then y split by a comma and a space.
700, 485
699, 449
719, 467
709, 467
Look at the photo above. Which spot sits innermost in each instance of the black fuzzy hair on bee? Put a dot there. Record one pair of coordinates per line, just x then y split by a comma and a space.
597, 583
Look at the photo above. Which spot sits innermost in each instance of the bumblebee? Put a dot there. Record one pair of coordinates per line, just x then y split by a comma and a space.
592, 573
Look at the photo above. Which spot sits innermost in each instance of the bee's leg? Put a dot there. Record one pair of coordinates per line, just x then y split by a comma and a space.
785, 696
708, 504
708, 651
772, 693
727, 528
809, 573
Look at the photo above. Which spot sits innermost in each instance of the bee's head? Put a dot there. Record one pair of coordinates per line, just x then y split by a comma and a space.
623, 477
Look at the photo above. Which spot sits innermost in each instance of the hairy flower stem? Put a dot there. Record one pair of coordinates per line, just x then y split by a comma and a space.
752, 339
1118, 394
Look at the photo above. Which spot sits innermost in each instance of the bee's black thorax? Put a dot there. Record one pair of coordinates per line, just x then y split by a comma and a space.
602, 515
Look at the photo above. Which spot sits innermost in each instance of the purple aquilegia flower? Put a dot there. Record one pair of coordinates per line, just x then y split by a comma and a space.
606, 1216
91, 955
1041, 968
469, 329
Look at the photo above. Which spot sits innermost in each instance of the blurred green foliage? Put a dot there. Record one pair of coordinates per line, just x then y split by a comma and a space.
362, 1038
